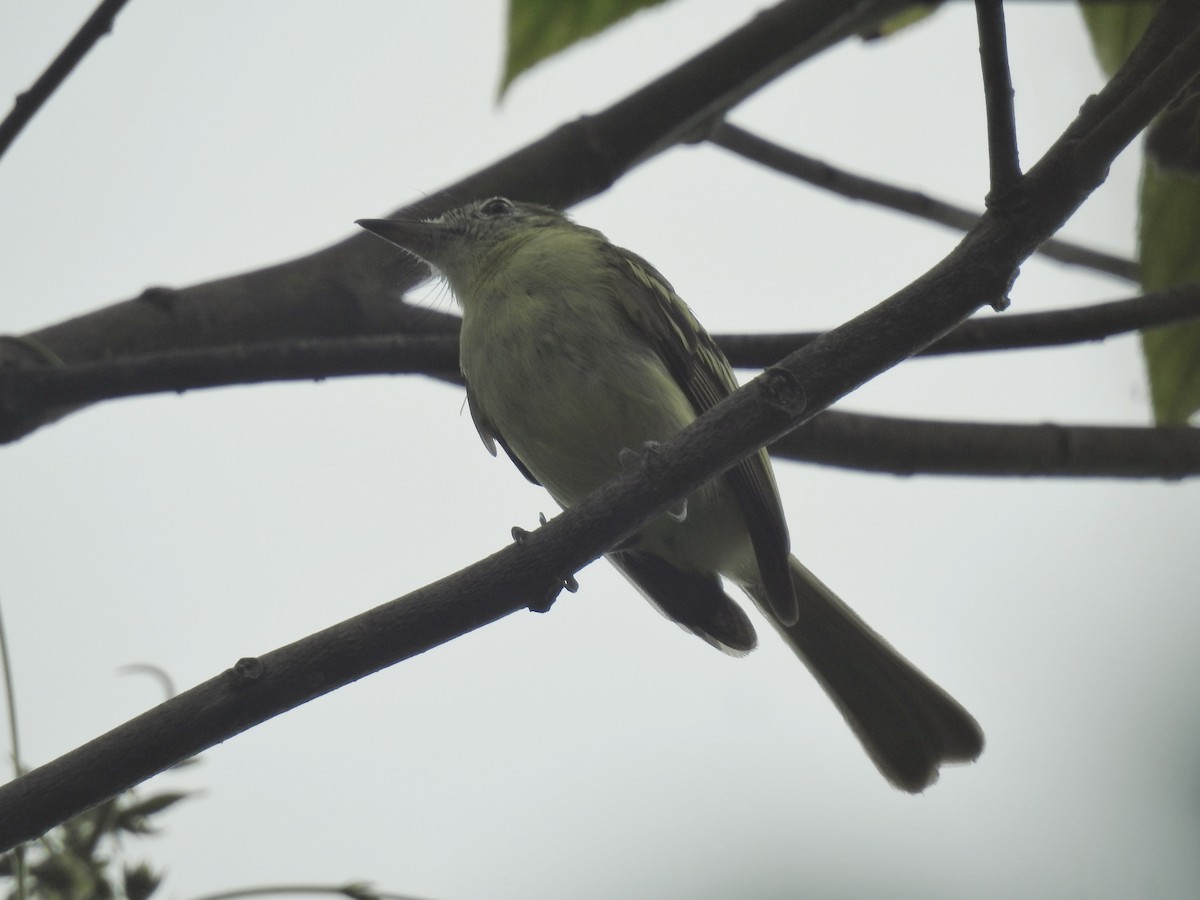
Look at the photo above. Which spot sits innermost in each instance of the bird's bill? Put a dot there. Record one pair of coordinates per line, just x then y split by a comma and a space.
421, 239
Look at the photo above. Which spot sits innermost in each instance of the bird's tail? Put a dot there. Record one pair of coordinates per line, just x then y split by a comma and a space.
908, 725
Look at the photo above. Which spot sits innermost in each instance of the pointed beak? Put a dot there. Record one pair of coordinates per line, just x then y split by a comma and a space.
421, 239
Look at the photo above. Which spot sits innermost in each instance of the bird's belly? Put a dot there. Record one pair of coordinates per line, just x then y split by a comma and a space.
568, 414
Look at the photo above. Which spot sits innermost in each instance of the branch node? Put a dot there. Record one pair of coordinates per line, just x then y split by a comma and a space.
1007, 200
560, 584
783, 391
248, 669
1003, 301
648, 460
161, 298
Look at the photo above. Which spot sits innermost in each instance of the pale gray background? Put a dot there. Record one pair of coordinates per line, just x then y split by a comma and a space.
596, 751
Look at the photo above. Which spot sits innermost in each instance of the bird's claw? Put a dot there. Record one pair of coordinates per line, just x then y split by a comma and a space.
631, 459
520, 536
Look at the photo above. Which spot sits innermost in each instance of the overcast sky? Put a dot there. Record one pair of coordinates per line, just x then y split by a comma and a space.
597, 751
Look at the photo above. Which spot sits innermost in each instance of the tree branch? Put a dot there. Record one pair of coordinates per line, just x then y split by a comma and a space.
1003, 161
1010, 332
27, 103
25, 392
978, 271
914, 203
871, 443
351, 288
916, 447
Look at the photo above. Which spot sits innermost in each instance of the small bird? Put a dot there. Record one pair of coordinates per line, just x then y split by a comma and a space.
576, 353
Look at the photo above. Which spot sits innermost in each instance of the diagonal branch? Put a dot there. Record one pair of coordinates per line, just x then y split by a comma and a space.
26, 105
914, 203
351, 288
977, 272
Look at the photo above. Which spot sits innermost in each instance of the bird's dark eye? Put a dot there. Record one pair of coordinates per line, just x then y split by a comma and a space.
497, 206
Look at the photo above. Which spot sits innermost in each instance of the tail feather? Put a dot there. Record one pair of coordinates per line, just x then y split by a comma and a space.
695, 600
908, 725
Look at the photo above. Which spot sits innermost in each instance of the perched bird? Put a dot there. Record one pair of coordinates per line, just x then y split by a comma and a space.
576, 352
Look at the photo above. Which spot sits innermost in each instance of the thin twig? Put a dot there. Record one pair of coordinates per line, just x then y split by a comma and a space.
1011, 331
10, 697
1003, 161
20, 867
914, 203
362, 890
1073, 326
26, 105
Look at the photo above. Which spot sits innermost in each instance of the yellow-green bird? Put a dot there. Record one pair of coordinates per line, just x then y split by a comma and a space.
576, 352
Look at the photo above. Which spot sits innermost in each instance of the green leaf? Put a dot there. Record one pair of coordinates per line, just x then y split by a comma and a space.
1169, 214
1173, 141
1115, 27
904, 19
538, 29
1169, 239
